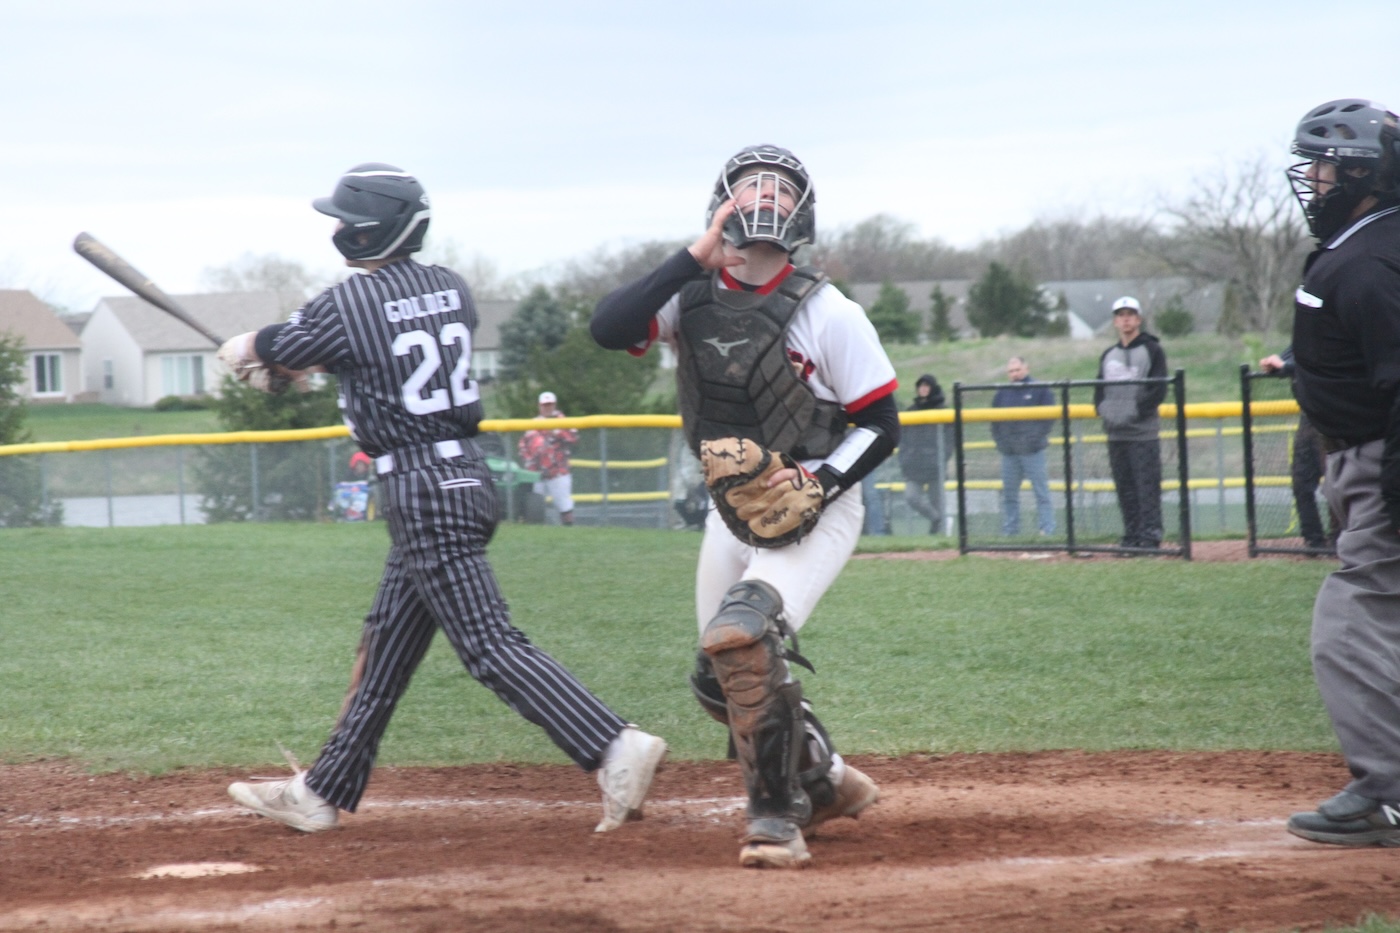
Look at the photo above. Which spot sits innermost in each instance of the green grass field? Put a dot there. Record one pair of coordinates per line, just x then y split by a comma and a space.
147, 649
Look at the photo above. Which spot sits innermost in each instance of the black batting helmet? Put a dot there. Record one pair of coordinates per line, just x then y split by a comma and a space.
384, 212
764, 223
1362, 139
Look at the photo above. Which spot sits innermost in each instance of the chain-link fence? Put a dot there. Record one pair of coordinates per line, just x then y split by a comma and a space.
636, 471
636, 477
1077, 509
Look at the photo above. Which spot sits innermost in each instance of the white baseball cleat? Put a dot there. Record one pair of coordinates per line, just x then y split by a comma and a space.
855, 792
625, 777
289, 801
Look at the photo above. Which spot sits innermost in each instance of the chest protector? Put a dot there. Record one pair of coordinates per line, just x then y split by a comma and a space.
733, 375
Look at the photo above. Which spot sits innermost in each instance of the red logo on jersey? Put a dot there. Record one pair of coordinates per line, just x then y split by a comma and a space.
800, 364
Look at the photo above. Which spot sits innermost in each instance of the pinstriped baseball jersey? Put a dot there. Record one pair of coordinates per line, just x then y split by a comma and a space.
399, 339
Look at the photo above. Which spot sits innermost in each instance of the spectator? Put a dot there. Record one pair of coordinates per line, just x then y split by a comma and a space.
547, 452
923, 456
1307, 466
1022, 447
1130, 420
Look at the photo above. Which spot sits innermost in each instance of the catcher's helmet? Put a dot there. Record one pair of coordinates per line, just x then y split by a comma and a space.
770, 170
1362, 139
384, 212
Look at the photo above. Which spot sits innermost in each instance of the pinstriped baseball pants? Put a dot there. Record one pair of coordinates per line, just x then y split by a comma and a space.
436, 576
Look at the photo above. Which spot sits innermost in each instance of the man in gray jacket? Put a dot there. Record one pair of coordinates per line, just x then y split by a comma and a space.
1130, 420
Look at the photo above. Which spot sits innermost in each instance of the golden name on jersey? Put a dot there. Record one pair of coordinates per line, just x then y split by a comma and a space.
406, 309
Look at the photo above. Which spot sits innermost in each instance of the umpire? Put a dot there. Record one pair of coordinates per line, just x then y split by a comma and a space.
1346, 349
399, 339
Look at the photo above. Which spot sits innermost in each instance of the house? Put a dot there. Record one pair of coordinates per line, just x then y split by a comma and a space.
135, 354
491, 313
1092, 299
53, 364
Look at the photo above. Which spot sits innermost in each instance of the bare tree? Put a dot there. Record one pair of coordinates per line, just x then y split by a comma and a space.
1067, 247
584, 281
292, 281
482, 274
884, 248
1244, 229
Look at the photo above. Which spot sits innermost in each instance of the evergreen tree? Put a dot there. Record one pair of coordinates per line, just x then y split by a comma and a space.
1005, 302
22, 500
540, 322
588, 380
890, 314
293, 479
940, 327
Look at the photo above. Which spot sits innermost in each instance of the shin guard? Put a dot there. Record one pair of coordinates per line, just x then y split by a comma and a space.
766, 715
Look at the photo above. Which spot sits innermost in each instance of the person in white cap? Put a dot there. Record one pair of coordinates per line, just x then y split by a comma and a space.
547, 452
1130, 420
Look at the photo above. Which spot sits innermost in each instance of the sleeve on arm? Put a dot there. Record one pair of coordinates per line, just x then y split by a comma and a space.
877, 426
262, 343
1155, 393
313, 336
623, 316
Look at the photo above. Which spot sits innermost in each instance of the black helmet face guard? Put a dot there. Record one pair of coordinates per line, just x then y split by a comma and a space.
383, 212
775, 200
1360, 140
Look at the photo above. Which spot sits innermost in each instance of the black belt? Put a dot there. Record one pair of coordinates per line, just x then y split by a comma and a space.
1334, 444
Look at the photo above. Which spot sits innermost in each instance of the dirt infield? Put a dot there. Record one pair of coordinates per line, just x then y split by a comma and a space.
1049, 842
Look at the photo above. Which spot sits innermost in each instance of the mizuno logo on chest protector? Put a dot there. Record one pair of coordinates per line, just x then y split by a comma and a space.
724, 347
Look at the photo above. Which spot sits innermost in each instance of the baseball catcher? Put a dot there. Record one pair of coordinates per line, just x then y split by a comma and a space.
773, 367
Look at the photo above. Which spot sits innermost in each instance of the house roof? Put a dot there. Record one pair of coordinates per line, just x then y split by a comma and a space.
1092, 299
226, 314
34, 322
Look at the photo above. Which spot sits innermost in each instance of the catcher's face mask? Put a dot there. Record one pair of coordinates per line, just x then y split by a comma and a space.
765, 203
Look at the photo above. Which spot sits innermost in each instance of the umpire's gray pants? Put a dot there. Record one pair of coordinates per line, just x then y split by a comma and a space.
1356, 626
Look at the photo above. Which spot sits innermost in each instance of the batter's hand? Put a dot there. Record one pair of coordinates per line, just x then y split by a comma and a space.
710, 250
1271, 363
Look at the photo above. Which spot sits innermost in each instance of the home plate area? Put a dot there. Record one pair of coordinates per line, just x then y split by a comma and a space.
1046, 842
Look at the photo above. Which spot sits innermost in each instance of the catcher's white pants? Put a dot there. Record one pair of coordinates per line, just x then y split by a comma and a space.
800, 572
560, 489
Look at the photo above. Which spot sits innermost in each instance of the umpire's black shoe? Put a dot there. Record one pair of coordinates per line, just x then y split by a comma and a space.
1350, 820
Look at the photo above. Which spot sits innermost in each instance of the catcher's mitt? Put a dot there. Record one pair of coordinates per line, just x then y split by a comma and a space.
737, 473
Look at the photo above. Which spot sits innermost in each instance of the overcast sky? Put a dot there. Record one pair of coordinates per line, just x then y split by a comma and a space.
187, 134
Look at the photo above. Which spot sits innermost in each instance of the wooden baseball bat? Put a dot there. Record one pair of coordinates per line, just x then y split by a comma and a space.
88, 247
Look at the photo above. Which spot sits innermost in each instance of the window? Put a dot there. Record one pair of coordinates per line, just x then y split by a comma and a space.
109, 376
48, 374
182, 375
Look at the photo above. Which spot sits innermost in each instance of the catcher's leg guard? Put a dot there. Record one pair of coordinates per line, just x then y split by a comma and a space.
705, 685
744, 643
814, 767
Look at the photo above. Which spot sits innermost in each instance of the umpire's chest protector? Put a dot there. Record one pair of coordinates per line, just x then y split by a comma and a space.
733, 375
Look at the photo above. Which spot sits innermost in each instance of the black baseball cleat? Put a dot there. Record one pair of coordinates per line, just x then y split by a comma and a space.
1350, 820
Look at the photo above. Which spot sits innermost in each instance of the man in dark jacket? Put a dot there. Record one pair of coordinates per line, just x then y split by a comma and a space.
923, 456
1129, 413
1022, 447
